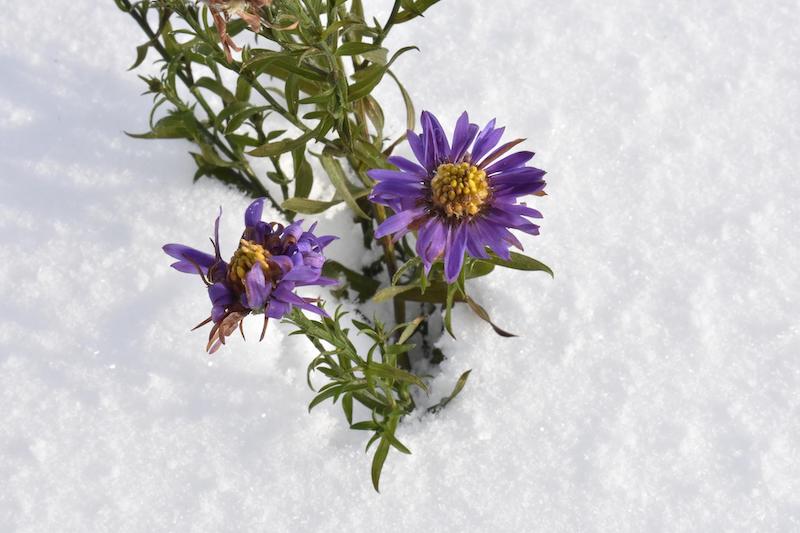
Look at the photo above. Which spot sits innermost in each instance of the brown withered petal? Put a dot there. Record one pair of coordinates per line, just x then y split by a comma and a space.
223, 329
247, 10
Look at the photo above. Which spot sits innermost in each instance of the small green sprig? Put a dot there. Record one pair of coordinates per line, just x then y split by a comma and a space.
375, 381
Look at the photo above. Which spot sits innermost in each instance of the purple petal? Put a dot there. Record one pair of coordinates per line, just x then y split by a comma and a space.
454, 252
322, 281
220, 294
434, 139
380, 174
475, 245
302, 274
325, 240
486, 140
189, 257
295, 229
277, 308
415, 142
408, 166
510, 162
518, 209
504, 190
463, 135
256, 287
492, 238
253, 213
283, 294
518, 175
398, 222
389, 190
430, 242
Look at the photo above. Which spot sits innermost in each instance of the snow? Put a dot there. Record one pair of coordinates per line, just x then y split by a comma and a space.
656, 384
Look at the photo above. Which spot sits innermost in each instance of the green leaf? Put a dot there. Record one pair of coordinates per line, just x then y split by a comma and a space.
269, 62
388, 293
339, 181
141, 54
414, 262
371, 76
411, 115
377, 462
273, 149
215, 87
413, 9
410, 329
462, 381
347, 407
365, 425
303, 175
481, 312
324, 395
291, 93
243, 89
397, 444
519, 262
355, 49
476, 269
314, 207
238, 118
392, 372
177, 125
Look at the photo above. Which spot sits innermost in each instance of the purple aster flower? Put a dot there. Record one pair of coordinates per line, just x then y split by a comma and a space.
460, 197
261, 277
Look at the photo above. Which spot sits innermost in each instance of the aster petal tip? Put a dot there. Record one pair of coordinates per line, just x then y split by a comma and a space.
252, 214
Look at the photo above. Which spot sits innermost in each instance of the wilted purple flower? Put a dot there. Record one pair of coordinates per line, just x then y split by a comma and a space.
460, 199
270, 262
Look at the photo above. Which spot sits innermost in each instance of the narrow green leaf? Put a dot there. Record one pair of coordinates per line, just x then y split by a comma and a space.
324, 395
238, 118
272, 149
396, 443
215, 87
355, 49
392, 372
388, 293
141, 54
411, 114
520, 262
481, 312
410, 329
462, 381
365, 425
411, 263
291, 93
371, 76
303, 175
347, 407
413, 10
243, 89
339, 181
377, 462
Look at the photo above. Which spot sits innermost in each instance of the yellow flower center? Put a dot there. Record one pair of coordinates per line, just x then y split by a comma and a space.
247, 255
459, 189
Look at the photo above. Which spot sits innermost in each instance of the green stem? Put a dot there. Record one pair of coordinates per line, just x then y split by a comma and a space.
389, 23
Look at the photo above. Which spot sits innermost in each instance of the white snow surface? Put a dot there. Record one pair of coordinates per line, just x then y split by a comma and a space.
656, 382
